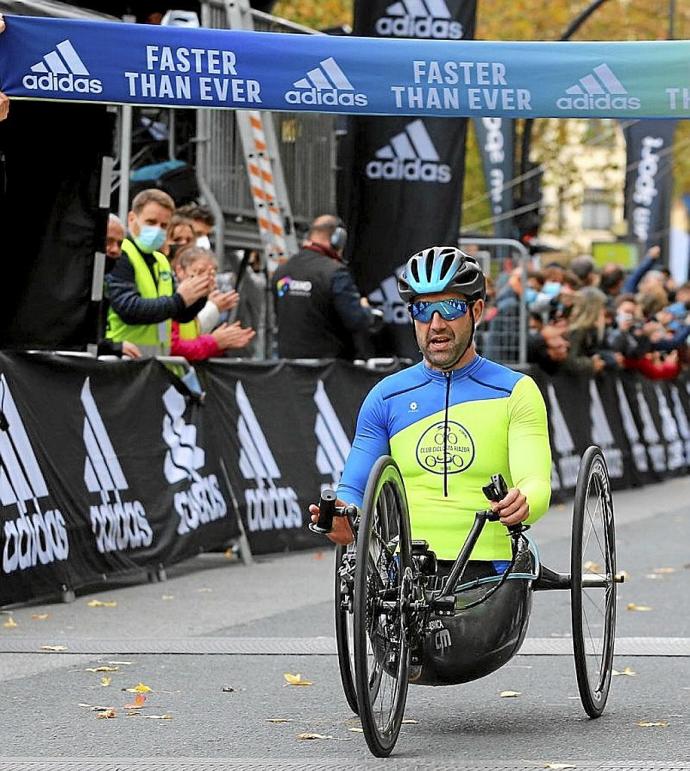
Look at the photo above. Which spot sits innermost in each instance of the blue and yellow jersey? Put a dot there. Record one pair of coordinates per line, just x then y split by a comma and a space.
448, 433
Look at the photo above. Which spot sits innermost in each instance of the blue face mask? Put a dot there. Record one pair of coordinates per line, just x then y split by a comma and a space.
150, 238
530, 295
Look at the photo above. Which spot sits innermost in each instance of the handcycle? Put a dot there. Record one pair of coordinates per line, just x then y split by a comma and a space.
398, 621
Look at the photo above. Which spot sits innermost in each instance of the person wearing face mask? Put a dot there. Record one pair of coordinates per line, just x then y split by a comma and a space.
141, 290
203, 222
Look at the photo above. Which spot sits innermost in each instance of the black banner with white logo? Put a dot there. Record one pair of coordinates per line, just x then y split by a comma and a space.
495, 140
402, 177
105, 469
649, 181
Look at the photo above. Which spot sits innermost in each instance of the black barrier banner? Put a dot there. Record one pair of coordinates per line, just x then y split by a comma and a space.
283, 451
104, 469
649, 181
405, 175
495, 140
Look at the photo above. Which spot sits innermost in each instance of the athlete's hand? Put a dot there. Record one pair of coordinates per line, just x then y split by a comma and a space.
512, 509
342, 532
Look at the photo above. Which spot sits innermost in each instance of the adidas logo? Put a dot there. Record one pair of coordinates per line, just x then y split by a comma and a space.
409, 156
35, 536
202, 501
333, 446
327, 85
387, 299
600, 90
268, 507
62, 70
419, 18
117, 525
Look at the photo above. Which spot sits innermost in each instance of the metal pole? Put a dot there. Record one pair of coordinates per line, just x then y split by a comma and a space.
671, 19
125, 160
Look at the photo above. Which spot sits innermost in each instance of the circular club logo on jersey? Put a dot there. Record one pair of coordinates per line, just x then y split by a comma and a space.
445, 448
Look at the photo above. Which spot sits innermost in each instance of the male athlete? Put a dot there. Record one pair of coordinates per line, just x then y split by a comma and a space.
451, 422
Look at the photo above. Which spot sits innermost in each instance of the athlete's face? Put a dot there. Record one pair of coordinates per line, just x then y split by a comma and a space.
445, 344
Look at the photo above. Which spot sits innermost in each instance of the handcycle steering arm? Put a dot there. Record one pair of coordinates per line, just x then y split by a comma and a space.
328, 510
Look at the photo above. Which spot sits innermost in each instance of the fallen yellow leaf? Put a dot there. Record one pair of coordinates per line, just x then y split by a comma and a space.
106, 713
102, 604
627, 671
139, 688
510, 694
167, 716
635, 606
663, 571
105, 681
356, 730
653, 723
10, 623
39, 616
309, 735
296, 680
167, 596
138, 702
54, 648
101, 669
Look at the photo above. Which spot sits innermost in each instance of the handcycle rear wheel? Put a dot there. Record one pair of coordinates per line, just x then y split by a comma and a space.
593, 584
344, 627
383, 586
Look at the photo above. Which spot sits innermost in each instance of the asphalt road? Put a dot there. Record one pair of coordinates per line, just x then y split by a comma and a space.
214, 642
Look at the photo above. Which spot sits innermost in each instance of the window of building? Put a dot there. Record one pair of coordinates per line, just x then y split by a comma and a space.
597, 212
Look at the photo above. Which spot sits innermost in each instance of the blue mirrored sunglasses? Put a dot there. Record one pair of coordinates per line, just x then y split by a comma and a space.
449, 310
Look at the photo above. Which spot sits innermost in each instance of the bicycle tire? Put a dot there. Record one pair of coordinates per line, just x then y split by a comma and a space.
381, 638
593, 655
344, 632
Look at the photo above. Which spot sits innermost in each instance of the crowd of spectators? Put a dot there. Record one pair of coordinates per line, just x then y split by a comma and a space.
585, 319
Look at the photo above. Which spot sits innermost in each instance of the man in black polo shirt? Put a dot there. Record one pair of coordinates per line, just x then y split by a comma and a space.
319, 309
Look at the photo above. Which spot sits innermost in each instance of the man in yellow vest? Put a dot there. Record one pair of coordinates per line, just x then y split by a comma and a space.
143, 298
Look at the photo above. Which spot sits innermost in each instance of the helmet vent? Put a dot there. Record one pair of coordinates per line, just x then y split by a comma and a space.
447, 264
429, 264
414, 269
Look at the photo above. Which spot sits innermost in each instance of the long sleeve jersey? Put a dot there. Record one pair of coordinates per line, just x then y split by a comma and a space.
448, 433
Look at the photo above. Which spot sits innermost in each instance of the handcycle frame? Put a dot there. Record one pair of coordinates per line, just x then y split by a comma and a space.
384, 617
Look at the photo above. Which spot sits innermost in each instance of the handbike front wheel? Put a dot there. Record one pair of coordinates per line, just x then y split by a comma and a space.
382, 591
344, 622
593, 581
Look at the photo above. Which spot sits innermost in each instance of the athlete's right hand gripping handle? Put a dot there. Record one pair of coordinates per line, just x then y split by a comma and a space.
497, 490
326, 513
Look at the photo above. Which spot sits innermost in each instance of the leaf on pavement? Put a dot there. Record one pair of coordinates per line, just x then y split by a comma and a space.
106, 713
653, 723
627, 671
102, 603
54, 648
296, 679
138, 703
356, 730
166, 716
227, 689
410, 721
39, 616
635, 606
510, 694
105, 681
559, 766
167, 596
10, 623
309, 735
101, 669
663, 571
279, 720
138, 688
204, 589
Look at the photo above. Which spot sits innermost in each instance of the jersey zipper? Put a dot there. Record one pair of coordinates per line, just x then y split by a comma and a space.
445, 437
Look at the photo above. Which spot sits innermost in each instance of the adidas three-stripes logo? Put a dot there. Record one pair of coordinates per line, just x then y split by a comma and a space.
326, 84
62, 69
420, 19
410, 156
598, 90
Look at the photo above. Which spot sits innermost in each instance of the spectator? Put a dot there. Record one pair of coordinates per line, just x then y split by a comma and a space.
142, 294
611, 282
252, 284
586, 334
180, 232
503, 339
584, 268
203, 222
115, 235
318, 306
187, 338
651, 260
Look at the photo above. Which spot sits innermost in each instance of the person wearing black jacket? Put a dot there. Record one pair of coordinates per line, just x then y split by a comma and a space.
319, 309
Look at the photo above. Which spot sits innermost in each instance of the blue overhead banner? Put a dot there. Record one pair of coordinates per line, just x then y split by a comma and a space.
42, 58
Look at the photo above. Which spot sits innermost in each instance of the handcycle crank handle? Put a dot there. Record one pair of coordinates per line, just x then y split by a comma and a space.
496, 490
326, 513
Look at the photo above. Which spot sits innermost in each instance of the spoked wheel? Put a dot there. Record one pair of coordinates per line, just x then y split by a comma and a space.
344, 621
593, 584
383, 588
